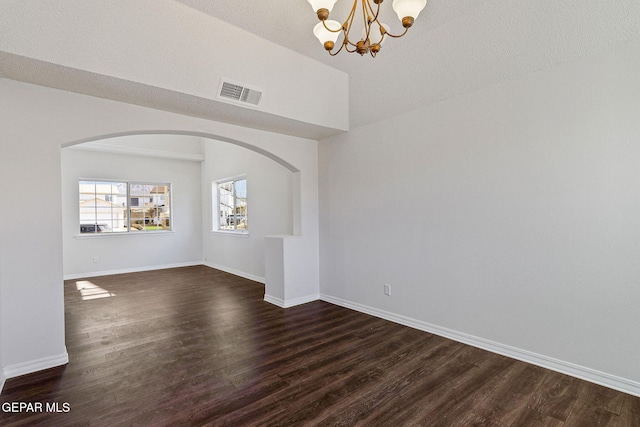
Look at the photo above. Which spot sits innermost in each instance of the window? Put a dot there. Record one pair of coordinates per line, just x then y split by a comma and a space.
120, 207
232, 205
151, 208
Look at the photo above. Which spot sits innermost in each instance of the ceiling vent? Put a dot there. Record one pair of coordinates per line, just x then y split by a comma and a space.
238, 93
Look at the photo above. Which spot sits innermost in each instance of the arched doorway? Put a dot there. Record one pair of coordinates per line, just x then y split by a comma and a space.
188, 163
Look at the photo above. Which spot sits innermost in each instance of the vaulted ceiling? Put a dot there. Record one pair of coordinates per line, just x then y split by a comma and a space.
455, 46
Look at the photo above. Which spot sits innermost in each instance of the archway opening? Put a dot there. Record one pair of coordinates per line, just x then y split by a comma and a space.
190, 162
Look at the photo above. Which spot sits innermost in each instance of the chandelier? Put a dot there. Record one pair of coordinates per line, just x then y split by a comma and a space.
374, 31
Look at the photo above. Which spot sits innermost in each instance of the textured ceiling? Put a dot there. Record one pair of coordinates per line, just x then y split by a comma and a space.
454, 47
290, 23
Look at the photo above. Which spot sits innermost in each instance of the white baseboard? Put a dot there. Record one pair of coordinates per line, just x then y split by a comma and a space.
128, 270
235, 272
581, 372
291, 302
31, 366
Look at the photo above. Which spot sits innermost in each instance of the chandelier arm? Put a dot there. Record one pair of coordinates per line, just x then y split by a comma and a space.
370, 16
371, 13
347, 41
346, 49
348, 24
324, 23
396, 36
366, 18
337, 51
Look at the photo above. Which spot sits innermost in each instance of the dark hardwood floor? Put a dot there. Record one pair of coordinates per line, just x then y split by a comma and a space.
197, 346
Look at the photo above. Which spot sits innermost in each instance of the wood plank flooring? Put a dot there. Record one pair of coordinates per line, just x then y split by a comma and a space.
197, 346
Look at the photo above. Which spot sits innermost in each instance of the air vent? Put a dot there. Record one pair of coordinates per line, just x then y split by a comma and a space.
239, 93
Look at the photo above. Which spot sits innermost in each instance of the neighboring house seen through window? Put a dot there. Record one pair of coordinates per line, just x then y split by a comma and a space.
232, 204
120, 207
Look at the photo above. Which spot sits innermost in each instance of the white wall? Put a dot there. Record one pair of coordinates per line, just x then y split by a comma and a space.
270, 209
32, 306
131, 251
507, 217
36, 122
2, 376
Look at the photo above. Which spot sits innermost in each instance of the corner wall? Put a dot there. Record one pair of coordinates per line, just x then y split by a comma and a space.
31, 245
270, 211
506, 218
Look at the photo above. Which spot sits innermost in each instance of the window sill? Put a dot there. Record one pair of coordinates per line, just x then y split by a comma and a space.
232, 233
124, 233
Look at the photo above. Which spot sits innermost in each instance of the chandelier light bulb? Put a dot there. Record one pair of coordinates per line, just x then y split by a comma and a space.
327, 37
408, 9
322, 4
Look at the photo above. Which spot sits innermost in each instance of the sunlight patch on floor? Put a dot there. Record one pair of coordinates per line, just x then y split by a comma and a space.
89, 290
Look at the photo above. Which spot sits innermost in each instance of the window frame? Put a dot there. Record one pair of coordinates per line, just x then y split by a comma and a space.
217, 209
126, 229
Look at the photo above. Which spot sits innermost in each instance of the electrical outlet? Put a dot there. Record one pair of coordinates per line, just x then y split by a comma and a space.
387, 289
96, 260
